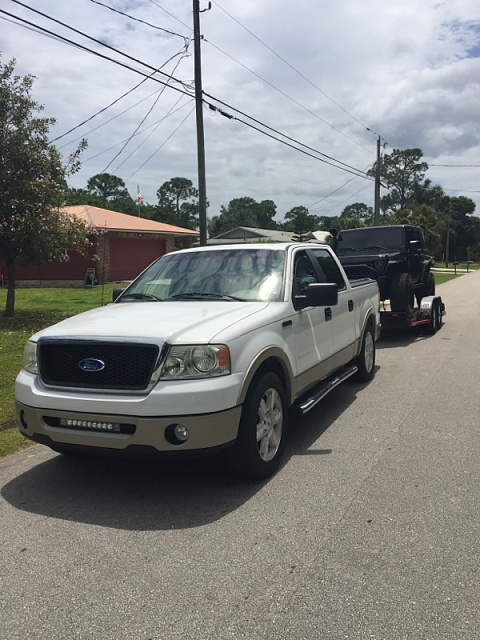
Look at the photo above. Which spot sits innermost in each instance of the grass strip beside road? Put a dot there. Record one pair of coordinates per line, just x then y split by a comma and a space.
35, 309
445, 277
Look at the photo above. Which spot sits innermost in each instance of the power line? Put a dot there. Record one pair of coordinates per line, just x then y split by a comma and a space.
339, 204
118, 116
345, 167
113, 103
338, 189
269, 83
163, 144
149, 24
170, 14
103, 44
357, 171
139, 125
287, 96
155, 125
296, 70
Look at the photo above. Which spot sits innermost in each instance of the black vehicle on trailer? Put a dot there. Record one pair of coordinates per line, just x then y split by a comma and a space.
394, 255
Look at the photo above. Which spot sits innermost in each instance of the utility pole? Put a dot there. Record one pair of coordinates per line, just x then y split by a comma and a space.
447, 248
202, 191
376, 210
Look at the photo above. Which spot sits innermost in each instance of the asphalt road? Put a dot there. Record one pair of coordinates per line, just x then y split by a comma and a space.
369, 531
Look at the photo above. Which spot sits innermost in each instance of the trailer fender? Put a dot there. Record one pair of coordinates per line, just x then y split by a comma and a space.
433, 309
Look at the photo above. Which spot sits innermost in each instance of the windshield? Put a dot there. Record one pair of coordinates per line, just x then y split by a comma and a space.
370, 238
226, 274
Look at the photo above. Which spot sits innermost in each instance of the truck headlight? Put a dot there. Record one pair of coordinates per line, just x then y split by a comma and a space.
196, 361
30, 362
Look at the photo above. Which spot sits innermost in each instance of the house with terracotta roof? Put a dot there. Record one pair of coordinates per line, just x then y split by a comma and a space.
121, 247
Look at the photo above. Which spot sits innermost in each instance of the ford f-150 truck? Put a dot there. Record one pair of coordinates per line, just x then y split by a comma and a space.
206, 351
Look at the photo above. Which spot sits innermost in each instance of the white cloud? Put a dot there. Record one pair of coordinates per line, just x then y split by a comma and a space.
318, 72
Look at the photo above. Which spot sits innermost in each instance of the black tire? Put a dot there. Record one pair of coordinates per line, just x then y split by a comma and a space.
402, 296
430, 284
365, 361
440, 317
263, 427
435, 319
427, 288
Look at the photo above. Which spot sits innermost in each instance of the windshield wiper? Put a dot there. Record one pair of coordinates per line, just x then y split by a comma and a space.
199, 295
376, 246
141, 296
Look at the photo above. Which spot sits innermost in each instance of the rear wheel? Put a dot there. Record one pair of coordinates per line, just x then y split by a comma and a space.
402, 296
263, 426
365, 361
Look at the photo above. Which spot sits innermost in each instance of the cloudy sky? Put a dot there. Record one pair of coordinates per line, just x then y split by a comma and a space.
299, 92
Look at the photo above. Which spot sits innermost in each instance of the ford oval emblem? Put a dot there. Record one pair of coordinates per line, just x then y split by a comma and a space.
91, 364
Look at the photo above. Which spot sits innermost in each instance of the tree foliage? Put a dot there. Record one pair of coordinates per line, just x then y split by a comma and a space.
400, 172
358, 211
32, 179
107, 186
178, 203
243, 212
300, 221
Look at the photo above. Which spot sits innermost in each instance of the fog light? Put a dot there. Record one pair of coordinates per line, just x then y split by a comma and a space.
181, 432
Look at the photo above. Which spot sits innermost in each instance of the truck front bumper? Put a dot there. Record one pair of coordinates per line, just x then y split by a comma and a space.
127, 434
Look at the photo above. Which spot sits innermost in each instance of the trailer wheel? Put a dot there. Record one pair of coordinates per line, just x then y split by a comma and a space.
440, 317
435, 319
365, 361
402, 293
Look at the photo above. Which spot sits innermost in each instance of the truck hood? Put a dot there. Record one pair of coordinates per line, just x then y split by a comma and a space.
176, 322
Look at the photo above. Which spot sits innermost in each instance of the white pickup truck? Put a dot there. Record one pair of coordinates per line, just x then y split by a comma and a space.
207, 350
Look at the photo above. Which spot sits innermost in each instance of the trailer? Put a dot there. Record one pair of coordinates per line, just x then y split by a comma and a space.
428, 315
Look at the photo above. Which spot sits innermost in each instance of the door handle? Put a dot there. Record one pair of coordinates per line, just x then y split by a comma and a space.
351, 305
328, 314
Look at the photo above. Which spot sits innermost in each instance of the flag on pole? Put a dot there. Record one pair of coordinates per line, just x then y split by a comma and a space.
139, 199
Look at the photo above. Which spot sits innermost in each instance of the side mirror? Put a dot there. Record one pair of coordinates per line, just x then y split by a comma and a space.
318, 295
116, 293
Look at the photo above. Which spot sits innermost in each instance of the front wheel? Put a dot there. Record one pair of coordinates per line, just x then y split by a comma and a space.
262, 431
365, 361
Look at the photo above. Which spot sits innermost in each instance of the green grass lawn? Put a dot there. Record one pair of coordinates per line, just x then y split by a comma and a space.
461, 265
34, 310
445, 277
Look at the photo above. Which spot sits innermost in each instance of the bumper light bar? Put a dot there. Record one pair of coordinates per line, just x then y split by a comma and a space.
92, 425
